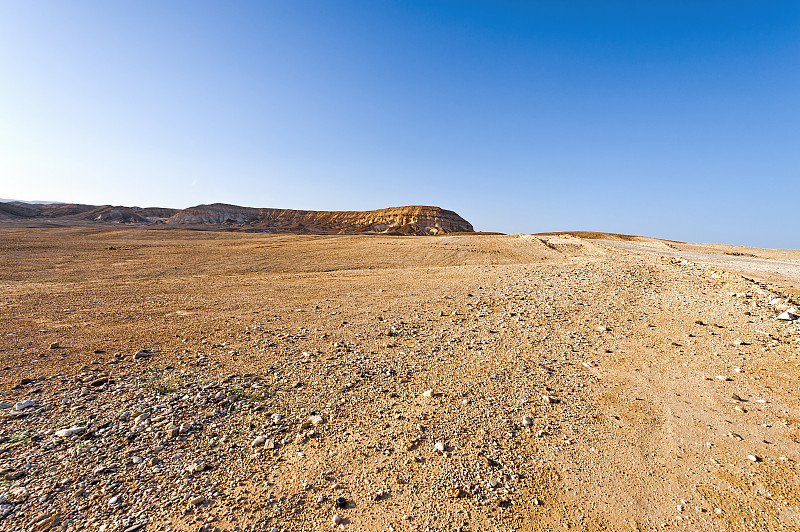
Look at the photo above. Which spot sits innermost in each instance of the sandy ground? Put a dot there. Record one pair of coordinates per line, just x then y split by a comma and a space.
219, 381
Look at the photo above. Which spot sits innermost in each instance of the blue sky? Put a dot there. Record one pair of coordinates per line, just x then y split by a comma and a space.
671, 119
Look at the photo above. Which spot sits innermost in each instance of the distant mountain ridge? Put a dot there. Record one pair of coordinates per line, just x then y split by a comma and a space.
6, 200
408, 220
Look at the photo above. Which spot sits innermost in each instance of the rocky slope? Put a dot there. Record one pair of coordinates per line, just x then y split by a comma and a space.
74, 213
409, 220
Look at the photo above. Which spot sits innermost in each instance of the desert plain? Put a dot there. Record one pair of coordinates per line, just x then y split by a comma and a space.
196, 380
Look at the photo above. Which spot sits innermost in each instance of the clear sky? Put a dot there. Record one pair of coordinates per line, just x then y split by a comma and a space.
666, 118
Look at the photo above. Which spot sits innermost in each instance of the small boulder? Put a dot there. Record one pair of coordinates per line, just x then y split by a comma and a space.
70, 432
198, 467
14, 475
22, 405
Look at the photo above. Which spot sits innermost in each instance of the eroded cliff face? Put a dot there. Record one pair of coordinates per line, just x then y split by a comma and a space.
410, 220
398, 220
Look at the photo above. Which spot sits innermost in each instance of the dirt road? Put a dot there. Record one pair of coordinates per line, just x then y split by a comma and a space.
782, 270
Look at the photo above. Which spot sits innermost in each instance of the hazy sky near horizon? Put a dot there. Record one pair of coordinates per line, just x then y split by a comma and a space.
674, 119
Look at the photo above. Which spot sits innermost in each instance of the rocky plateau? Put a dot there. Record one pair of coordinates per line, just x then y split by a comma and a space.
409, 220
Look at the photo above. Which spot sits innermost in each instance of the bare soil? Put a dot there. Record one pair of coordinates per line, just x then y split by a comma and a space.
390, 379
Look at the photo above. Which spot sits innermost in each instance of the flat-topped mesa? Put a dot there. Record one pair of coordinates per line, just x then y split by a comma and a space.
410, 220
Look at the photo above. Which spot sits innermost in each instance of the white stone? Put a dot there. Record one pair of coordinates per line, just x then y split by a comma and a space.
260, 440
440, 446
22, 405
336, 519
426, 393
72, 431
527, 421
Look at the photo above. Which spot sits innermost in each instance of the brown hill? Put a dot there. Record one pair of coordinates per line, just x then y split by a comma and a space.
615, 237
74, 213
400, 220
409, 220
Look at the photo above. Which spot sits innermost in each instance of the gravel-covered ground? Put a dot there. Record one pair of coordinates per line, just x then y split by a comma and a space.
782, 270
175, 380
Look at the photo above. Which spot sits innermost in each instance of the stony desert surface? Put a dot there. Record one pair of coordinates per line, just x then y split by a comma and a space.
204, 381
